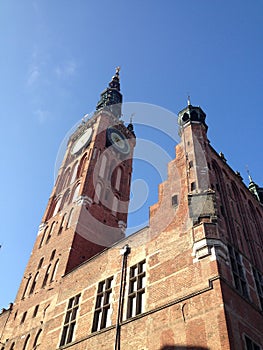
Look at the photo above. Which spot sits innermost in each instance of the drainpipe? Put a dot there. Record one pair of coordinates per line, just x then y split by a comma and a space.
124, 252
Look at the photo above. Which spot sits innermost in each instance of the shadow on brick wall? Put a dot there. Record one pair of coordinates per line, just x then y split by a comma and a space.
179, 347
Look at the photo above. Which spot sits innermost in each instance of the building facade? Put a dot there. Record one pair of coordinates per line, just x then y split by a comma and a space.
192, 279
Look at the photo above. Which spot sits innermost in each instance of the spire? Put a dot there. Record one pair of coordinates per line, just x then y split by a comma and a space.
249, 176
111, 98
254, 188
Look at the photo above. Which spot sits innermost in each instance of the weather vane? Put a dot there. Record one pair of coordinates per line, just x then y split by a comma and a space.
248, 172
131, 117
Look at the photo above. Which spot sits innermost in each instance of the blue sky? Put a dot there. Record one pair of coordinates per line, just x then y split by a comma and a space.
56, 58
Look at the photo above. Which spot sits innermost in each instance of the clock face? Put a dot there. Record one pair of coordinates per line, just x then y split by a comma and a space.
82, 141
118, 140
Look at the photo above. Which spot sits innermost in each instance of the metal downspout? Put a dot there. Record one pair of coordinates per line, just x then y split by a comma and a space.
124, 252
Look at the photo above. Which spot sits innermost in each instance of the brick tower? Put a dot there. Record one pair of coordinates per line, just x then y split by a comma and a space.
191, 280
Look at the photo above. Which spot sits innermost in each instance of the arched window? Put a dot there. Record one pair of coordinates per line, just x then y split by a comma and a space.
103, 166
37, 339
26, 342
40, 263
97, 195
74, 173
23, 317
46, 276
66, 178
26, 287
94, 153
75, 193
43, 236
57, 207
62, 224
33, 286
70, 218
55, 268
64, 199
52, 255
50, 231
81, 165
115, 205
118, 179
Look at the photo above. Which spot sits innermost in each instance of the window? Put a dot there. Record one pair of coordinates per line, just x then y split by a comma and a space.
61, 224
50, 231
118, 179
46, 276
66, 178
174, 200
26, 342
74, 173
34, 283
75, 193
64, 199
40, 263
70, 320
238, 272
81, 165
70, 218
57, 207
98, 192
136, 296
193, 186
27, 284
115, 205
259, 284
53, 275
37, 339
103, 166
42, 239
250, 345
102, 315
35, 311
12, 347
52, 255
23, 317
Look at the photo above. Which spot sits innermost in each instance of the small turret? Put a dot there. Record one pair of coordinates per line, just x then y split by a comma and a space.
191, 114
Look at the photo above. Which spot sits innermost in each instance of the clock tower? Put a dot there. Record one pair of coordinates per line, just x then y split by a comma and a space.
87, 209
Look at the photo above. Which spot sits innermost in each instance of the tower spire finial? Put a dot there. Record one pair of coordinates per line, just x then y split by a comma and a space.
188, 100
115, 80
248, 173
131, 117
130, 126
